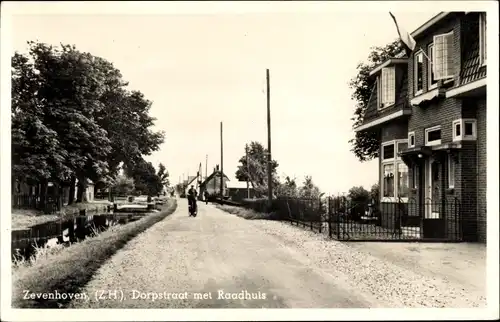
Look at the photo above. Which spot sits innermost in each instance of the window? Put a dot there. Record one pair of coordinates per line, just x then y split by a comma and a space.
411, 139
432, 82
433, 136
401, 147
464, 129
388, 152
451, 172
387, 87
414, 176
388, 182
419, 72
402, 180
442, 60
394, 179
482, 38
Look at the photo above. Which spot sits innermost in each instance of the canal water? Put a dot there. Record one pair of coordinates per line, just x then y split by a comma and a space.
76, 229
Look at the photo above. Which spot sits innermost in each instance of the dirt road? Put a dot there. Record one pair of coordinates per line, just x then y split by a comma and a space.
219, 260
215, 255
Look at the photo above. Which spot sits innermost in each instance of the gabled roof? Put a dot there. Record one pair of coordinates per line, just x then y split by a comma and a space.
388, 62
217, 172
431, 22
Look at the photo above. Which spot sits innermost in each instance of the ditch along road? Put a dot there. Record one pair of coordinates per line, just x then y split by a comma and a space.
219, 260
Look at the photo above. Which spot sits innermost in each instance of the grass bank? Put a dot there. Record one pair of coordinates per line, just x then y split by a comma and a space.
26, 218
244, 213
70, 269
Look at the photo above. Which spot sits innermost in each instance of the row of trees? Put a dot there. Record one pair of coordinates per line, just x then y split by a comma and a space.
142, 179
73, 117
253, 167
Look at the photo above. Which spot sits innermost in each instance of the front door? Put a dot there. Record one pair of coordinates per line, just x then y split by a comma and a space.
433, 219
433, 189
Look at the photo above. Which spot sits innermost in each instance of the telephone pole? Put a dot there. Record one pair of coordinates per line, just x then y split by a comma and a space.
248, 172
221, 163
269, 174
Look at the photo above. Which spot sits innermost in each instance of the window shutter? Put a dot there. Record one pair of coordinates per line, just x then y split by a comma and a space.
388, 85
442, 60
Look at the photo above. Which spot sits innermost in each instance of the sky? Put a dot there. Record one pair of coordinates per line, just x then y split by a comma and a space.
203, 69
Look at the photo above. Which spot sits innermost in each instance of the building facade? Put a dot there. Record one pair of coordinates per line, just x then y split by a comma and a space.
429, 111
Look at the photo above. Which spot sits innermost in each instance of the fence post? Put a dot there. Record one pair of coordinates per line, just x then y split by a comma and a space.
329, 216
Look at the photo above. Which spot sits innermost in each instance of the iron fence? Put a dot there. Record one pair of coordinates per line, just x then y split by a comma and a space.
399, 220
359, 220
49, 204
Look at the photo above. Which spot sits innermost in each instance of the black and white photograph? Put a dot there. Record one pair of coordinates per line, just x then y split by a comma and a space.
226, 157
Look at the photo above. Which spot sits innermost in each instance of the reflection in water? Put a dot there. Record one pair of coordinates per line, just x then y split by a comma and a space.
24, 242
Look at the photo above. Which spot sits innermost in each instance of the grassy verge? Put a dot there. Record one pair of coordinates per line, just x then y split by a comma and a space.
244, 213
70, 269
25, 218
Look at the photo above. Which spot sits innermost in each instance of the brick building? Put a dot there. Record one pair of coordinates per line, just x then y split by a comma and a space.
429, 111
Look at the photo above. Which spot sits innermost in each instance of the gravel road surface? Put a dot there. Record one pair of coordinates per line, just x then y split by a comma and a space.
218, 260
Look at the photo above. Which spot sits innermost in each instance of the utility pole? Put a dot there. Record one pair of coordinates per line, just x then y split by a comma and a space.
269, 174
248, 171
206, 167
221, 163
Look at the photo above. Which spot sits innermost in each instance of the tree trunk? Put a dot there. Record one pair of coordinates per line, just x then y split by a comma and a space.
72, 187
43, 194
82, 187
60, 196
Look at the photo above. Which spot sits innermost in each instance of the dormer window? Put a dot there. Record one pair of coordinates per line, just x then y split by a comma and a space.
482, 38
387, 87
442, 60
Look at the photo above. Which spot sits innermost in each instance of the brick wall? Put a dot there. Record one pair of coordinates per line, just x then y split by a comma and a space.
481, 169
442, 113
395, 130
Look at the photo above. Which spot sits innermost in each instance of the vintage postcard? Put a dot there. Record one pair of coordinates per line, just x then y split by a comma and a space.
244, 160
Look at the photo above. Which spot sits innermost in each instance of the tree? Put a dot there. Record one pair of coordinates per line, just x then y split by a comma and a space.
163, 175
145, 177
359, 195
288, 188
73, 118
71, 89
375, 192
37, 154
365, 145
256, 169
123, 185
309, 190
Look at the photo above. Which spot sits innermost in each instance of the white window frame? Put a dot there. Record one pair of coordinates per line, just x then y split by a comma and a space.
414, 176
462, 136
430, 53
432, 129
390, 72
382, 152
411, 135
415, 73
395, 162
447, 60
451, 174
482, 38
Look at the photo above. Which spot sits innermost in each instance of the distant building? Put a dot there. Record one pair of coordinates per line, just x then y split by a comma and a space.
212, 184
237, 190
